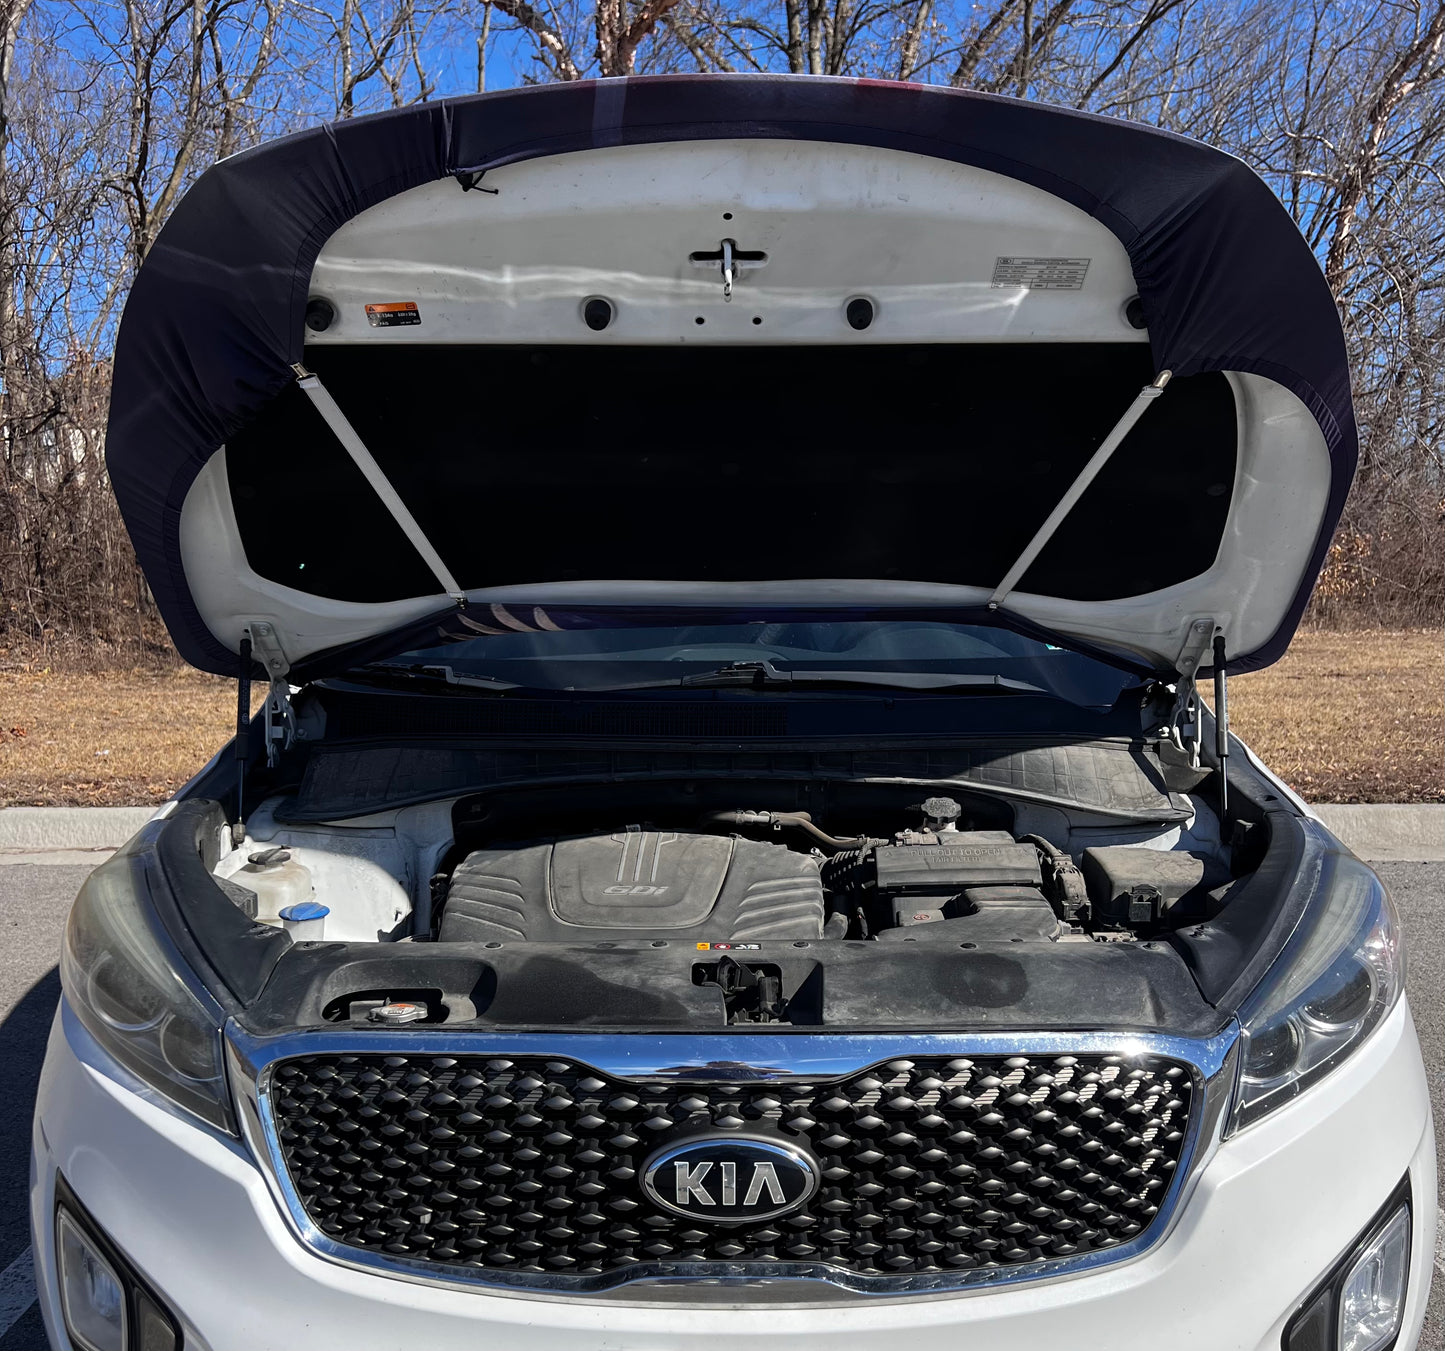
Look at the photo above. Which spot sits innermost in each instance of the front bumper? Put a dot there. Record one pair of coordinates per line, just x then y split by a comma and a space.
1270, 1213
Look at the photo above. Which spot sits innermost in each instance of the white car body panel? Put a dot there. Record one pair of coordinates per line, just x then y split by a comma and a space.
1270, 1213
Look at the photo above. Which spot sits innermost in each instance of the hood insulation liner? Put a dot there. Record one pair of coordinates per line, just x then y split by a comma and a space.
945, 480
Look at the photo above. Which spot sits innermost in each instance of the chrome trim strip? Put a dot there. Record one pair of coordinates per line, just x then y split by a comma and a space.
722, 1058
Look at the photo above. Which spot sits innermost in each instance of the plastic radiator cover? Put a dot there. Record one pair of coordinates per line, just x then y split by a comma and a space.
648, 984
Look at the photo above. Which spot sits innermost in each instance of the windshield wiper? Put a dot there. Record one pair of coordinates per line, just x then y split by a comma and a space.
763, 675
757, 675
435, 675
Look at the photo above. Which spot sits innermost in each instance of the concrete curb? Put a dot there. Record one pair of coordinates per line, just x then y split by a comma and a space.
1378, 832
1385, 833
36, 830
55, 858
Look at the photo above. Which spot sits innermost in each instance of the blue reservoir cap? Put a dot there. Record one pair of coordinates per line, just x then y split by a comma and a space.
306, 910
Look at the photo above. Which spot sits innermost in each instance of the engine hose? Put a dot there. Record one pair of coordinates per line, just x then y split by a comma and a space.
794, 820
1048, 846
1073, 893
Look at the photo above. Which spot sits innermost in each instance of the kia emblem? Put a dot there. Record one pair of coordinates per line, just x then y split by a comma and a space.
730, 1180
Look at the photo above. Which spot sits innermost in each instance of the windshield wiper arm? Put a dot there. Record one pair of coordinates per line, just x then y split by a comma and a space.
757, 675
763, 675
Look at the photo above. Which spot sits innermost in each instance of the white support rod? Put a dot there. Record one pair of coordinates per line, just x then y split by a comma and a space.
1069, 500
380, 484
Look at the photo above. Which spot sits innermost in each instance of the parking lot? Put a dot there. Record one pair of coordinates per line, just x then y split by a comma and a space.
33, 904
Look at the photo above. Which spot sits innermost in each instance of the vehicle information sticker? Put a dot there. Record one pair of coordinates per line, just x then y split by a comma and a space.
389, 316
1041, 274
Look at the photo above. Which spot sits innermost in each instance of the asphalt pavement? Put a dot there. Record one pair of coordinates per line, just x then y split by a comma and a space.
33, 904
34, 901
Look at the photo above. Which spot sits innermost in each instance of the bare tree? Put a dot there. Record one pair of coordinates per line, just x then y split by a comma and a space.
109, 109
554, 45
64, 560
12, 12
187, 73
384, 44
618, 28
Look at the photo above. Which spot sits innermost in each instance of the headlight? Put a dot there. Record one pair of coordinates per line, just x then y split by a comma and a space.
136, 997
1339, 975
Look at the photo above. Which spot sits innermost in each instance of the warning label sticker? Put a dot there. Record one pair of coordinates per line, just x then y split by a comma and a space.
729, 947
389, 316
1041, 274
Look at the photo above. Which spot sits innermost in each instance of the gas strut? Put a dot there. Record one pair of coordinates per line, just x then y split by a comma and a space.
243, 727
354, 446
1086, 476
1221, 724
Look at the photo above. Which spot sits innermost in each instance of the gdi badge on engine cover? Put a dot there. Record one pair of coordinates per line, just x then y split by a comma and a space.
730, 1180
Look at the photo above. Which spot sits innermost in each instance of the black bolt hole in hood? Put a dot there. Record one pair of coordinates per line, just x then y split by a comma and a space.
758, 454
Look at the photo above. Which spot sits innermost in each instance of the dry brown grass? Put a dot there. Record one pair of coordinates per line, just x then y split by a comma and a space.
1345, 717
118, 739
1351, 717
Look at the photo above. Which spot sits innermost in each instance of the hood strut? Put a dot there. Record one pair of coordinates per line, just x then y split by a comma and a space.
1221, 723
1087, 474
380, 484
242, 743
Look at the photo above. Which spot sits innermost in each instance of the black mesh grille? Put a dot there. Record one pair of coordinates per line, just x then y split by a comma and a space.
929, 1165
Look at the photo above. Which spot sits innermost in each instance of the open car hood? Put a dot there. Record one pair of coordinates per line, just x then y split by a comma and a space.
480, 359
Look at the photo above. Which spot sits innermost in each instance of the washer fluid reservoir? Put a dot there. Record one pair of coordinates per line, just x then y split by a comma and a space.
305, 922
279, 882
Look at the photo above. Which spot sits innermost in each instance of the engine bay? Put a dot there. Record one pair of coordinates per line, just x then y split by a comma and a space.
656, 903
936, 870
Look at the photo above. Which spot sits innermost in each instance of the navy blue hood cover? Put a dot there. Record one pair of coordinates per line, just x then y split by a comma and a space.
216, 316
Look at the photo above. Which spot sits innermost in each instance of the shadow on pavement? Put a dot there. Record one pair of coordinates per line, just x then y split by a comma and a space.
23, 1035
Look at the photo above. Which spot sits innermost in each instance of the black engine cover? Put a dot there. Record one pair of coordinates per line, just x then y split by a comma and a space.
947, 864
983, 884
637, 884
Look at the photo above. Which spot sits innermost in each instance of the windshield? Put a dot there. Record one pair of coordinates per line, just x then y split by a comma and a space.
609, 658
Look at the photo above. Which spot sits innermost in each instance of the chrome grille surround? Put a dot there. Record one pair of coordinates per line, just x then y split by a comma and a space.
724, 1061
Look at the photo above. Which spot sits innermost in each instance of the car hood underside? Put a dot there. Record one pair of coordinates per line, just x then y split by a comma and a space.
744, 345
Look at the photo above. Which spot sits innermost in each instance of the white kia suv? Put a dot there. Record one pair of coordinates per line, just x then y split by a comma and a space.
734, 849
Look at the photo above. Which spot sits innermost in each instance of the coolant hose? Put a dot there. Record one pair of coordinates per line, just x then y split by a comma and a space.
1073, 894
1048, 846
779, 820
